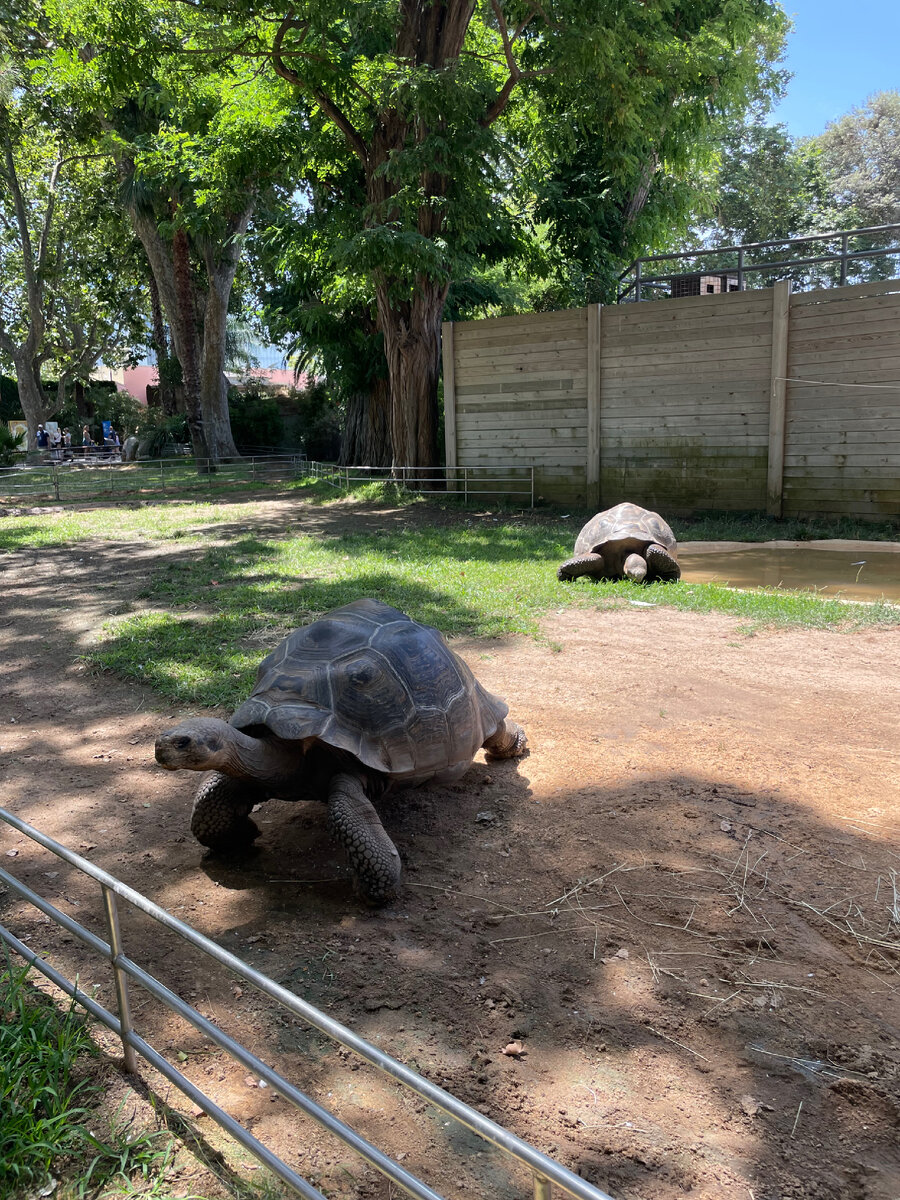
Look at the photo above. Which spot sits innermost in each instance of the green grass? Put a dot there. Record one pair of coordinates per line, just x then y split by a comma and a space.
48, 1121
217, 611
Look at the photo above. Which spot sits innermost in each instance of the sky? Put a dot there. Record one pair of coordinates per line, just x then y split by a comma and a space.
841, 51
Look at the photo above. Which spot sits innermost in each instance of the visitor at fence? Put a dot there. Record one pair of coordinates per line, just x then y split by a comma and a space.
55, 444
42, 437
86, 440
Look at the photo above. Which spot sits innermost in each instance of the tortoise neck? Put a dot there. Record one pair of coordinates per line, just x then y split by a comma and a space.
266, 760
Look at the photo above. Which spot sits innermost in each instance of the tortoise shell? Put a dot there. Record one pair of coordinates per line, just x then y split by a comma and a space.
368, 680
625, 528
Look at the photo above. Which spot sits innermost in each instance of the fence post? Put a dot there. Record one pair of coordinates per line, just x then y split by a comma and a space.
781, 308
592, 468
449, 364
115, 945
543, 1188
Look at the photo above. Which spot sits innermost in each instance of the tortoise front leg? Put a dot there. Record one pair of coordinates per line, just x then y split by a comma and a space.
509, 741
584, 564
662, 565
220, 817
356, 826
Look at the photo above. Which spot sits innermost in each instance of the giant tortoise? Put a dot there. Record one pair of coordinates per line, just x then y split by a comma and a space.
624, 542
361, 700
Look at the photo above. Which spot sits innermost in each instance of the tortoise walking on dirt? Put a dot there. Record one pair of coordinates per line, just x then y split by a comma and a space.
624, 542
361, 700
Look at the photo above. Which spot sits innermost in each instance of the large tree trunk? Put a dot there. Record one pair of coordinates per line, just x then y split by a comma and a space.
366, 437
35, 405
411, 332
160, 344
221, 266
185, 322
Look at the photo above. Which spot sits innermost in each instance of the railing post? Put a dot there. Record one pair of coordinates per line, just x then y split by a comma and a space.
740, 269
637, 280
781, 309
115, 945
543, 1188
845, 245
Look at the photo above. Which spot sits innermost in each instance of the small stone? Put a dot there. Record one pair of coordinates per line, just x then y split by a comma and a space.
725, 826
513, 1049
750, 1105
486, 818
623, 953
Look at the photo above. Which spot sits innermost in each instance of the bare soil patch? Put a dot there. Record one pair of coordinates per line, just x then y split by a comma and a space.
682, 903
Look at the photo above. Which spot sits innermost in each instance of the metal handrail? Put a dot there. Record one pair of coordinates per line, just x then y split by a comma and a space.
742, 268
545, 1170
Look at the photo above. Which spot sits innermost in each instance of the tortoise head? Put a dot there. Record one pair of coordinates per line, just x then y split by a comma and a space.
202, 744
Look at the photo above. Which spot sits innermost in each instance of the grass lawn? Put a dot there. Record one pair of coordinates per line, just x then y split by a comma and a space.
226, 595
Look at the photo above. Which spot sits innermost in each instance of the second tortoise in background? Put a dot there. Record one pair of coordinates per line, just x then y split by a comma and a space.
625, 542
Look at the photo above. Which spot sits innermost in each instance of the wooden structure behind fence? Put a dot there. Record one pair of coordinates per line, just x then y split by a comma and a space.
763, 400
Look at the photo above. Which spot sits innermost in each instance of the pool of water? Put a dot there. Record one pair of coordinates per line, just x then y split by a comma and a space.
849, 570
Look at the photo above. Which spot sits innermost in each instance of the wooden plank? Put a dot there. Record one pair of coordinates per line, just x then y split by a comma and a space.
540, 438
447, 353
594, 430
781, 299
516, 455
509, 344
699, 336
857, 428
848, 291
725, 355
532, 378
730, 303
844, 308
526, 355
881, 321
848, 462
864, 359
749, 394
567, 319
523, 386
529, 420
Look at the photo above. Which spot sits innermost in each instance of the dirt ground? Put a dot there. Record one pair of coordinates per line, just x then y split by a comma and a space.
683, 904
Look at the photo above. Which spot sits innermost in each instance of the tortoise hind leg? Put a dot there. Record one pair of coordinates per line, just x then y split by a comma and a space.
583, 564
220, 817
509, 741
662, 565
356, 826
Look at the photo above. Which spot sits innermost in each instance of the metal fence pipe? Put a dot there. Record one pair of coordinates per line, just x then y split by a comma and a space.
538, 1162
293, 1095
65, 985
50, 910
120, 978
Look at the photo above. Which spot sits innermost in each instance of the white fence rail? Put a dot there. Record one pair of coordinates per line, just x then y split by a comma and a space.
545, 1171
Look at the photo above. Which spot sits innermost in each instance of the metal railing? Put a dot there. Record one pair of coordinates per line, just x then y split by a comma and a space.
466, 483
738, 261
105, 478
545, 1171
110, 479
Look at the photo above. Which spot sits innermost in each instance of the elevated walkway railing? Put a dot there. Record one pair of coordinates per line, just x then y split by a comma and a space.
545, 1171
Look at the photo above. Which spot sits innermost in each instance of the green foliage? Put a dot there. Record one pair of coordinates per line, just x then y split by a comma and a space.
46, 1101
10, 406
316, 421
861, 156
256, 419
10, 444
107, 404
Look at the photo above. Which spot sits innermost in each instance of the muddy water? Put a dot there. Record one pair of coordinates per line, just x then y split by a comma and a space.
850, 570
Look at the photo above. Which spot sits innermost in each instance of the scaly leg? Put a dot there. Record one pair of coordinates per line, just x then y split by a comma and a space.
356, 826
584, 564
509, 741
220, 816
662, 565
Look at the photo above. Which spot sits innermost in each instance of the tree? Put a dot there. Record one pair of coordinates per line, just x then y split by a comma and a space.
768, 187
861, 157
70, 295
196, 144
443, 103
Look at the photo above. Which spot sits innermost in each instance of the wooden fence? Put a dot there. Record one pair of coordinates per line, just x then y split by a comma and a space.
744, 400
